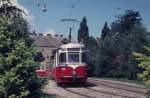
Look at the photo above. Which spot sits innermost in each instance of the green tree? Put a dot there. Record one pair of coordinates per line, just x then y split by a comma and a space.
17, 66
39, 57
90, 44
126, 22
127, 35
83, 32
105, 31
144, 63
6, 8
92, 56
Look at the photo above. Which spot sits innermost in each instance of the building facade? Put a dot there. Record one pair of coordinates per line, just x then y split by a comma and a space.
46, 45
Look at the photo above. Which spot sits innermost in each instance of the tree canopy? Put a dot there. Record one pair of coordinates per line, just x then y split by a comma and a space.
105, 31
83, 32
127, 35
17, 66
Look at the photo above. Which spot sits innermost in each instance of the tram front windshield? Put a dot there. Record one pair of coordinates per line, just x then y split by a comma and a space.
73, 57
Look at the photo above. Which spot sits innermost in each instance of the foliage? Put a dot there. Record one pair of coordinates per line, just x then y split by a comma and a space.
91, 45
144, 63
113, 56
39, 57
48, 96
105, 31
17, 66
92, 55
83, 32
126, 23
127, 35
7, 9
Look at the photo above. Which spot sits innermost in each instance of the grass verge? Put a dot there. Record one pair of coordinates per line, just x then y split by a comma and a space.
48, 96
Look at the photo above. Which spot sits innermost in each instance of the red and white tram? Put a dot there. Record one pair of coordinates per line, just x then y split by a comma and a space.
43, 71
69, 64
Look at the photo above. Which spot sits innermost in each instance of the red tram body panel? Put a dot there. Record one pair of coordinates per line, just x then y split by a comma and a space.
68, 74
41, 73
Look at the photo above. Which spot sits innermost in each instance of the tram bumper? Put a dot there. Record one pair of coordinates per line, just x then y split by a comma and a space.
73, 78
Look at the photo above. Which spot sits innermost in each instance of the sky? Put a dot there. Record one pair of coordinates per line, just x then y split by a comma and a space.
97, 13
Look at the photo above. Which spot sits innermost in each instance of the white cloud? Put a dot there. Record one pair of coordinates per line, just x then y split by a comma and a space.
28, 16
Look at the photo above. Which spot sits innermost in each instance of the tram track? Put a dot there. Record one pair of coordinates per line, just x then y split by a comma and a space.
91, 90
111, 93
137, 91
119, 86
79, 93
120, 92
97, 89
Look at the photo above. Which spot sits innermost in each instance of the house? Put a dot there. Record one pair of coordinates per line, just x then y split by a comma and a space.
46, 44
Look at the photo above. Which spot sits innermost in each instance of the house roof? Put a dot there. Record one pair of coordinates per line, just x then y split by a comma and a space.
47, 41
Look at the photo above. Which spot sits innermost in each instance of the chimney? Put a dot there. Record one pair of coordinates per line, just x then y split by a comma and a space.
48, 34
61, 35
40, 34
56, 35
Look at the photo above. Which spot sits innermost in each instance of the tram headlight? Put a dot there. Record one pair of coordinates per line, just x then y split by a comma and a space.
74, 73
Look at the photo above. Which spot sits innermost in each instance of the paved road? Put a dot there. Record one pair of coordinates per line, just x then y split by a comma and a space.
97, 88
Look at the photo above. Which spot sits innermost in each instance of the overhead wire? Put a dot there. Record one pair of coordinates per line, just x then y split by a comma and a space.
38, 3
77, 5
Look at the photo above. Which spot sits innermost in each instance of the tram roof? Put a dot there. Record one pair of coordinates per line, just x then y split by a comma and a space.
72, 45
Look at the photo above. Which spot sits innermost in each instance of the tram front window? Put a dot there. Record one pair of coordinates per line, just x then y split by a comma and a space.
73, 57
62, 58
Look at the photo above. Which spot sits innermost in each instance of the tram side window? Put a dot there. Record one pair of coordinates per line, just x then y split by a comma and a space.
84, 57
62, 58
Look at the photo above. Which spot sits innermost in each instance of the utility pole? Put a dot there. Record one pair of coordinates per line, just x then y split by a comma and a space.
70, 29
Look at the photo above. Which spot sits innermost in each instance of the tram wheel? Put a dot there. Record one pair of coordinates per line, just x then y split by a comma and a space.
52, 78
60, 84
